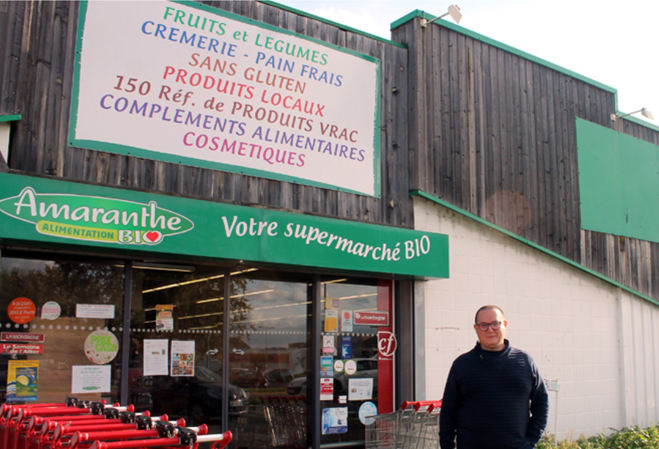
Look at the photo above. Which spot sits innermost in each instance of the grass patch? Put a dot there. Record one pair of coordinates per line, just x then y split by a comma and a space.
627, 438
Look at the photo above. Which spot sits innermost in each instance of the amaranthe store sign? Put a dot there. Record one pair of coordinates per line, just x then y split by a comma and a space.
43, 210
95, 219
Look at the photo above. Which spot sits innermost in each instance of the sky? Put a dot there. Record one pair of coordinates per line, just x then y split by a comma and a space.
613, 42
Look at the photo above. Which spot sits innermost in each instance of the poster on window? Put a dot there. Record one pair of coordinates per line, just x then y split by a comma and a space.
21, 310
346, 321
326, 366
165, 317
182, 362
91, 379
328, 344
360, 389
155, 357
326, 389
335, 420
331, 320
101, 346
102, 311
22, 380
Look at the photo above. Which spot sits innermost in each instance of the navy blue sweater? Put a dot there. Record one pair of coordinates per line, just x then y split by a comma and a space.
493, 400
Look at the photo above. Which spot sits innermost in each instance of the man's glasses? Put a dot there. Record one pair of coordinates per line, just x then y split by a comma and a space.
485, 326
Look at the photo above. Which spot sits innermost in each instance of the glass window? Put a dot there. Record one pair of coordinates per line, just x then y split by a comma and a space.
269, 358
352, 373
176, 343
68, 311
59, 316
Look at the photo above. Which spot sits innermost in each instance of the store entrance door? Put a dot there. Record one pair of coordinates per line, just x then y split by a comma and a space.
269, 342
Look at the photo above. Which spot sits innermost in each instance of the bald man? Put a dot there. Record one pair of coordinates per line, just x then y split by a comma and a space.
494, 397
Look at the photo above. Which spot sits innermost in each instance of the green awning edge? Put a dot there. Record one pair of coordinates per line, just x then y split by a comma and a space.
10, 118
433, 199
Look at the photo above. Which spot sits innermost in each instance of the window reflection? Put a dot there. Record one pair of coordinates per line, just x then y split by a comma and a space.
269, 357
185, 312
56, 288
271, 368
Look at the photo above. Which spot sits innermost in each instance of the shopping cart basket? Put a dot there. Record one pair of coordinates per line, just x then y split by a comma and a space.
287, 419
414, 426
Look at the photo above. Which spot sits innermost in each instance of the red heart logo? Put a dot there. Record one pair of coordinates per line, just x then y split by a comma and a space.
153, 236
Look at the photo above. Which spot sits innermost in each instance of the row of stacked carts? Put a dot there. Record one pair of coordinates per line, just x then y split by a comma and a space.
78, 424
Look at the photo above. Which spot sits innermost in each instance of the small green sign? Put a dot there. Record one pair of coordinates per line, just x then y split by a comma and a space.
59, 212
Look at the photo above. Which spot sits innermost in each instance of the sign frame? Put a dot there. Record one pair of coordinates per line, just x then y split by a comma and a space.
180, 158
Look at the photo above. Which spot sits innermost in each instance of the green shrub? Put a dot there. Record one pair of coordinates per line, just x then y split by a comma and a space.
627, 438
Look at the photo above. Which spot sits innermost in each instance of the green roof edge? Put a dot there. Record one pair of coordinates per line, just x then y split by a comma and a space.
329, 22
500, 45
636, 120
434, 199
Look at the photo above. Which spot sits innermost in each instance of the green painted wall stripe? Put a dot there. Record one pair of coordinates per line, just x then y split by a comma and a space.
431, 198
10, 118
329, 22
502, 46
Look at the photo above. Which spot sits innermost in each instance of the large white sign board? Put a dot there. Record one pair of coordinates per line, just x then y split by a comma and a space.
190, 84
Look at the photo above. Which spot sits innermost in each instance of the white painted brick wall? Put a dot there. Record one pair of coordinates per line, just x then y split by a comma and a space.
597, 340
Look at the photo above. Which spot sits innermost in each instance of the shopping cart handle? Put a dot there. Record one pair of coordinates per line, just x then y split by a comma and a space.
146, 421
200, 430
421, 404
158, 418
221, 439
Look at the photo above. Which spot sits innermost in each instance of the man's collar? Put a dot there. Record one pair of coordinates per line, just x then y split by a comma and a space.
505, 348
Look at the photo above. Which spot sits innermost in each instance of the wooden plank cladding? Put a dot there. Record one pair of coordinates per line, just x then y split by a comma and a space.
36, 78
468, 120
494, 133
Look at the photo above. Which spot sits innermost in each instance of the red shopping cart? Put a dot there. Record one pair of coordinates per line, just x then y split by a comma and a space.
15, 426
62, 434
93, 425
184, 438
79, 439
41, 430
